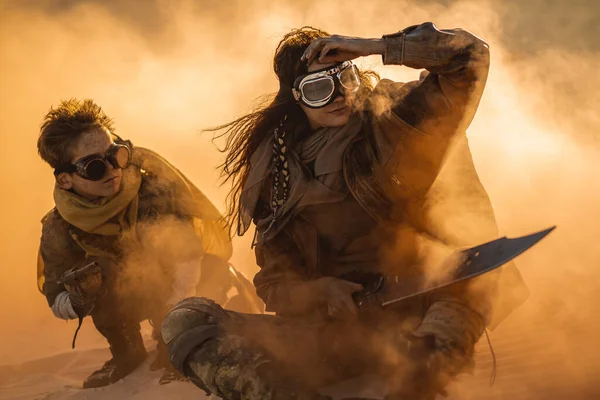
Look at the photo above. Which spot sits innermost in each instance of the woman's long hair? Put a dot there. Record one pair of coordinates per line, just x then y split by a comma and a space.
245, 134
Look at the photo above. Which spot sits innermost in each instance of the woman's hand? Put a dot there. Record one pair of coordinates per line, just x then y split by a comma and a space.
336, 295
341, 48
333, 294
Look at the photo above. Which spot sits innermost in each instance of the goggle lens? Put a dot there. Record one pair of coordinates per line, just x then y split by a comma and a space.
95, 169
318, 89
120, 159
349, 78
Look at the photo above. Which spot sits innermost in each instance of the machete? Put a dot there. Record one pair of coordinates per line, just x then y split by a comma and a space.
462, 265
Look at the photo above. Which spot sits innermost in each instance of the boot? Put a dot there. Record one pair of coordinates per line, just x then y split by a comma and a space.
162, 361
128, 353
225, 364
170, 374
162, 357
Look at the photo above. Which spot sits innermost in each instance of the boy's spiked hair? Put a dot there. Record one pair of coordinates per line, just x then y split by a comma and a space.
63, 125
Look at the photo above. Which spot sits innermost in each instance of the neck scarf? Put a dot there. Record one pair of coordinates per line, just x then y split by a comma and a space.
108, 216
325, 148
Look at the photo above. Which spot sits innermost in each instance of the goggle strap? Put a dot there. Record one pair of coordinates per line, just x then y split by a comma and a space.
68, 168
325, 72
296, 94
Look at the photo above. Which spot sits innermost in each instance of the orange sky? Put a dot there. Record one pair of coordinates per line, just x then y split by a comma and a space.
532, 139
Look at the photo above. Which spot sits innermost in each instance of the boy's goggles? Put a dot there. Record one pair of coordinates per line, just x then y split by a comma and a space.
320, 88
95, 167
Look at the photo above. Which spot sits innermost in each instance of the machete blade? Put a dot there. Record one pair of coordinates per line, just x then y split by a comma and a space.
472, 262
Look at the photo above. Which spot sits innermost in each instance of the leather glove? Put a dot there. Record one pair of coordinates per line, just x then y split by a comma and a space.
84, 283
436, 363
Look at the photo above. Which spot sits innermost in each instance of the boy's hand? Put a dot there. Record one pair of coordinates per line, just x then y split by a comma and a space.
84, 282
88, 287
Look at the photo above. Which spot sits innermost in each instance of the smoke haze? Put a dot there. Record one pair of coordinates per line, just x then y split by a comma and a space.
164, 70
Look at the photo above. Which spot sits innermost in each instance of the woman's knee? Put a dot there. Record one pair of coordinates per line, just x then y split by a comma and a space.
190, 324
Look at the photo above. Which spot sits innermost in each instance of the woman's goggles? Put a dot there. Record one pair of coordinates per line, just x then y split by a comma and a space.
95, 167
320, 88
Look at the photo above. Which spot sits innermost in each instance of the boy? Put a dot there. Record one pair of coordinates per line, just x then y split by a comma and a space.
129, 237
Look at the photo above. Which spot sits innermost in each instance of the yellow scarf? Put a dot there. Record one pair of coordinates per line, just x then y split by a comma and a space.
109, 216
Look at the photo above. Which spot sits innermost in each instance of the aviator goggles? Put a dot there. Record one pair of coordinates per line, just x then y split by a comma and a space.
94, 167
319, 88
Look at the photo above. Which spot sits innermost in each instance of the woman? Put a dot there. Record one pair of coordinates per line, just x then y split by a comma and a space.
334, 173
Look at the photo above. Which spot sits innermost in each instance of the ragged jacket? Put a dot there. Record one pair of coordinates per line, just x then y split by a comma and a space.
392, 170
165, 193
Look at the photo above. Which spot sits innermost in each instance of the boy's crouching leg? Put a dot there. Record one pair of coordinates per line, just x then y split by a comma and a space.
221, 363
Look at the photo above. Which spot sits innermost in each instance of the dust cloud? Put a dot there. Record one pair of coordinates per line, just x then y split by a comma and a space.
164, 70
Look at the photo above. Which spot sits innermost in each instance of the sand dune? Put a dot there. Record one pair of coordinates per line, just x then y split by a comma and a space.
59, 378
168, 69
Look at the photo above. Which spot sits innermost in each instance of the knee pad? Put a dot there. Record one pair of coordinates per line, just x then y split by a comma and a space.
190, 324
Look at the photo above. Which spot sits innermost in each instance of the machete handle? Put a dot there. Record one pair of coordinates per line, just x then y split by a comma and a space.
365, 297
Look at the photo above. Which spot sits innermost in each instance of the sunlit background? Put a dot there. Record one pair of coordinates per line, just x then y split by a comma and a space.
164, 70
